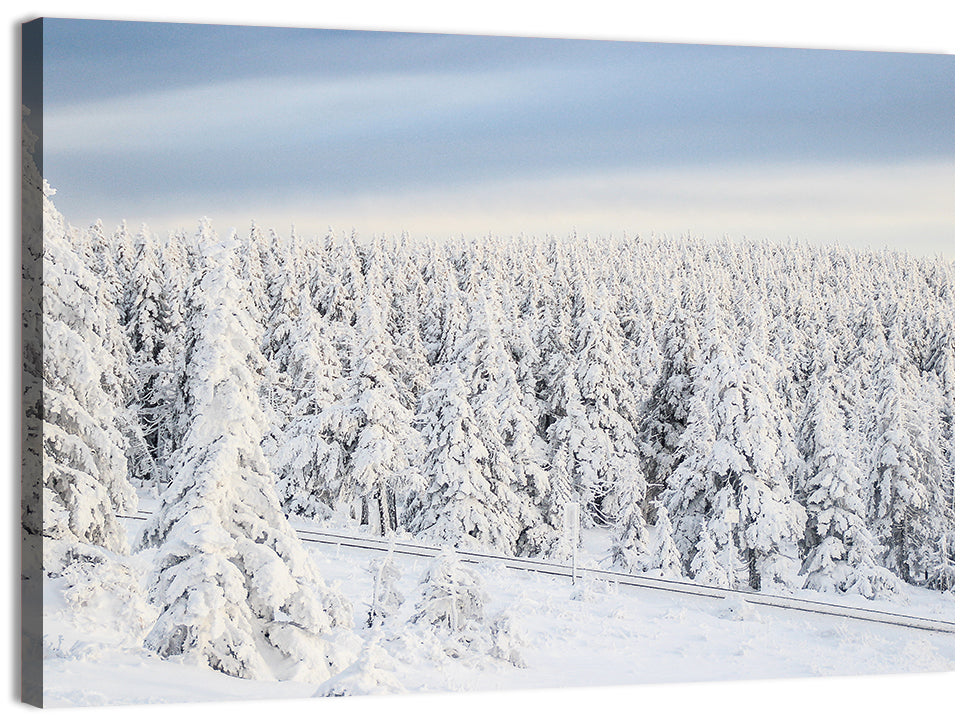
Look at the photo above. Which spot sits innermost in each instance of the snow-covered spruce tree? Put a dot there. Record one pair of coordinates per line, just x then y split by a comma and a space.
148, 332
788, 354
638, 315
459, 505
630, 540
101, 263
431, 316
616, 487
453, 319
267, 258
723, 527
733, 442
898, 494
407, 301
566, 435
164, 399
691, 487
562, 416
85, 475
864, 574
664, 558
339, 294
452, 596
771, 520
931, 336
236, 588
664, 416
831, 488
374, 427
520, 338
308, 459
124, 254
251, 272
931, 559
513, 464
278, 339
386, 598
553, 340
74, 389
928, 527
705, 566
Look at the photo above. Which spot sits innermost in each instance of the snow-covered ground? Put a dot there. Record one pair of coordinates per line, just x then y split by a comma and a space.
564, 636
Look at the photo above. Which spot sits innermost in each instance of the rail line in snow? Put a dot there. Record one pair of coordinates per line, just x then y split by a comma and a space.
407, 548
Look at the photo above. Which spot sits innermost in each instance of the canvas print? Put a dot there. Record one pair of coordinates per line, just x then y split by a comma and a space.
375, 363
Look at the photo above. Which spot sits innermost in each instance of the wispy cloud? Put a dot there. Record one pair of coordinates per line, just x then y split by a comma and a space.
329, 111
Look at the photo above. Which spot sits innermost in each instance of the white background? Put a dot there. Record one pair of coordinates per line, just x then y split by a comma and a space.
918, 26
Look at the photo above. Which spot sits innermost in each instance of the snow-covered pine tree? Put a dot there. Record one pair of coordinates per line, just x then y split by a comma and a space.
407, 303
771, 520
930, 552
280, 338
148, 332
663, 419
101, 262
864, 574
251, 272
705, 566
637, 315
308, 459
691, 487
236, 589
452, 595
279, 331
616, 486
374, 426
174, 258
733, 442
452, 316
898, 495
459, 505
664, 558
513, 464
831, 486
520, 338
554, 343
386, 598
339, 295
630, 540
566, 434
74, 452
85, 474
432, 316
124, 256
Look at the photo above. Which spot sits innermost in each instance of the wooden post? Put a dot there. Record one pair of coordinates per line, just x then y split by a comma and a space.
572, 526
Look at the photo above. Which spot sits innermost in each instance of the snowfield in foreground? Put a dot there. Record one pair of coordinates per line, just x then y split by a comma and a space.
551, 634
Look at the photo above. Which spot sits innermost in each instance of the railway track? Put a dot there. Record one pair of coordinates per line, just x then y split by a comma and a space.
407, 548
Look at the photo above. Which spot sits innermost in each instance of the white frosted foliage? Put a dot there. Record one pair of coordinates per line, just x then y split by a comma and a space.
231, 574
85, 473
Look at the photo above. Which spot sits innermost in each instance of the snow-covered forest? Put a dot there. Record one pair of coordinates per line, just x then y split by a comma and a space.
749, 415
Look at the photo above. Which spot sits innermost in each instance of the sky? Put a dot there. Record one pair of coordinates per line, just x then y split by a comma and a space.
459, 135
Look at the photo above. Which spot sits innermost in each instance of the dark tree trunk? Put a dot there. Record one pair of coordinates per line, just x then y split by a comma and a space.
755, 580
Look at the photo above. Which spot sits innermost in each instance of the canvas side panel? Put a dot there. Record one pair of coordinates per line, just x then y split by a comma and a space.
31, 571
